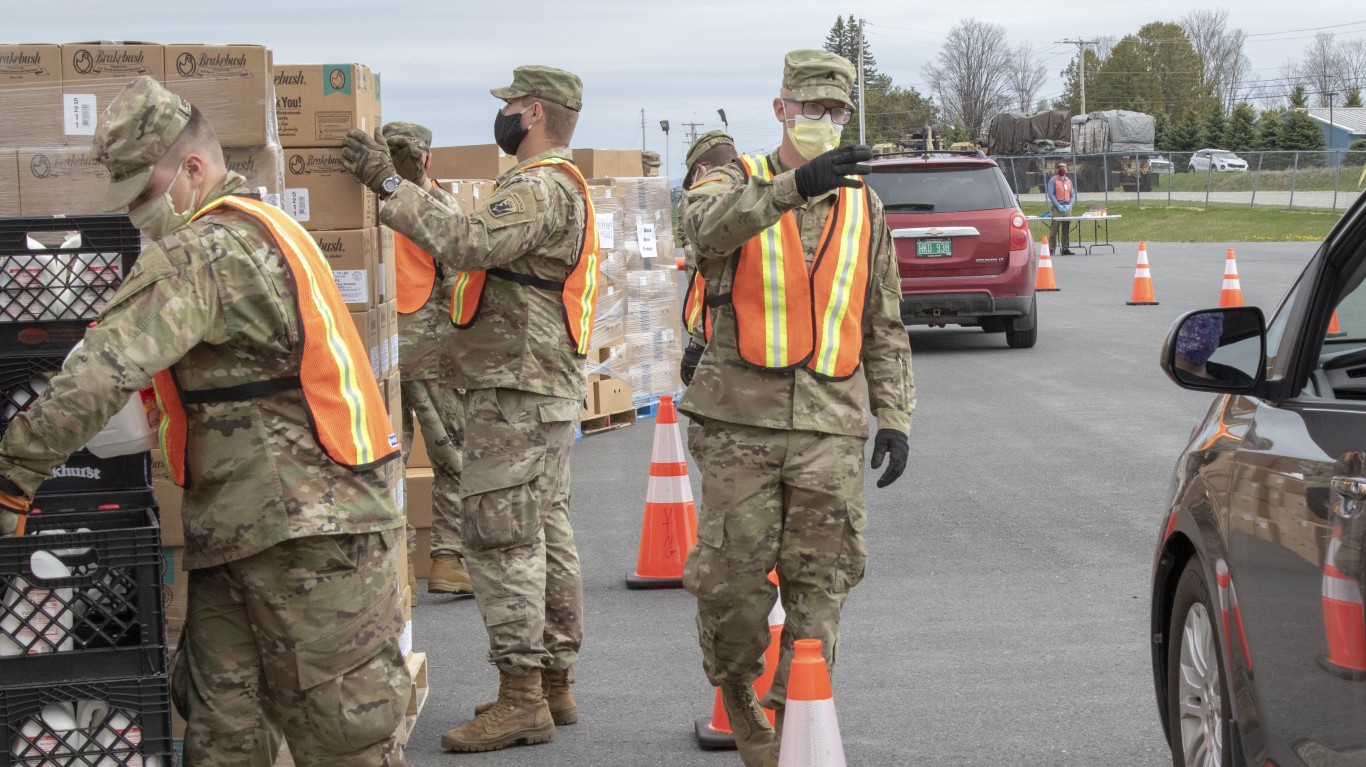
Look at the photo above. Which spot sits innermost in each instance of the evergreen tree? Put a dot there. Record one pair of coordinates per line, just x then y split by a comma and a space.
1353, 97
1214, 129
1185, 133
1302, 132
1162, 131
1071, 90
1299, 98
1268, 136
843, 40
1240, 134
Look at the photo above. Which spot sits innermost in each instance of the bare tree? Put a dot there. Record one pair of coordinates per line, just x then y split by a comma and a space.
971, 80
1222, 59
1353, 56
1026, 75
1321, 67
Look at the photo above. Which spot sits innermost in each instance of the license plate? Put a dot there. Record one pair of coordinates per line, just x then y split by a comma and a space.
940, 248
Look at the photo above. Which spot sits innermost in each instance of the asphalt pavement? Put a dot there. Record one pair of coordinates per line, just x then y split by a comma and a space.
1004, 616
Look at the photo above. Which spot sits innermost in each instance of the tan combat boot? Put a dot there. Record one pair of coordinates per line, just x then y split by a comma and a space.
753, 733
519, 715
449, 576
563, 709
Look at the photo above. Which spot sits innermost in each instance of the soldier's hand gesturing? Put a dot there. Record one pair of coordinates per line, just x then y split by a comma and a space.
828, 171
409, 157
896, 443
367, 158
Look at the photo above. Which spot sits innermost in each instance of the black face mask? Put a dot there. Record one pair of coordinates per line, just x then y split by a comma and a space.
508, 131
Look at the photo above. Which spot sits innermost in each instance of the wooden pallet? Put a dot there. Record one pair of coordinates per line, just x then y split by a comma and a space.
607, 422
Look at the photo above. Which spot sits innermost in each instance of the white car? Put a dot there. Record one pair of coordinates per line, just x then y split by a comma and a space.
1160, 164
1219, 159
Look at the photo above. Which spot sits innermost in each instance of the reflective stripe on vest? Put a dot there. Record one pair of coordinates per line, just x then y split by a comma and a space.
416, 274
345, 409
578, 292
789, 315
696, 313
1062, 189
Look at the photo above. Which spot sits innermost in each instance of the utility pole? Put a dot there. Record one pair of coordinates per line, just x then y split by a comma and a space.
1081, 65
692, 131
862, 133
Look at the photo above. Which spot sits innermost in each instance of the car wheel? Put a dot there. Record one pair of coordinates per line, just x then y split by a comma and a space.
1190, 168
1025, 339
1198, 710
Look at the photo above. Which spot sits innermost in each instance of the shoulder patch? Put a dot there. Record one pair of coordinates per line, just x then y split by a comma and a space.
505, 205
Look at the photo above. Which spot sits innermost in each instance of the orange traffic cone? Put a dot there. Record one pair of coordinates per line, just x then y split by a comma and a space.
1232, 294
670, 526
1334, 329
811, 731
714, 734
1342, 618
1228, 608
1045, 279
1143, 280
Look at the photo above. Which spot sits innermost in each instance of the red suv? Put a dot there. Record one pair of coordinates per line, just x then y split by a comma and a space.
962, 244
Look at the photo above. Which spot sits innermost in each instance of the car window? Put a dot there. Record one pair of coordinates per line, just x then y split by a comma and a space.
1340, 369
1222, 154
941, 190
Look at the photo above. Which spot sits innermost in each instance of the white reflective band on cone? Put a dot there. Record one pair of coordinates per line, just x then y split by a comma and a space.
811, 735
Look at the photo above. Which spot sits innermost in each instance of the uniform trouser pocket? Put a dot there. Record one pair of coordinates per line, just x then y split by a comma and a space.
853, 555
501, 499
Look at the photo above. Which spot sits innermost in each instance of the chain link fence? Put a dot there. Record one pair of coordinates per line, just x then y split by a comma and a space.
1326, 180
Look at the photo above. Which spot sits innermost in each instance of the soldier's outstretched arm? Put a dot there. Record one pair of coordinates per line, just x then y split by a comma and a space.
517, 218
886, 347
163, 310
725, 210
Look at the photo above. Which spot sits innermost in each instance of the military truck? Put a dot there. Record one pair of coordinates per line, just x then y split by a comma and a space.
1113, 147
1029, 147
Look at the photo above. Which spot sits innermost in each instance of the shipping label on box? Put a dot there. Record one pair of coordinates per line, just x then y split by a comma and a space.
353, 255
231, 84
316, 104
322, 195
31, 95
61, 181
93, 74
9, 182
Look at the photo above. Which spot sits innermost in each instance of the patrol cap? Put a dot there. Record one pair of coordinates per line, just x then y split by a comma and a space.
704, 143
135, 131
650, 157
409, 130
542, 82
813, 75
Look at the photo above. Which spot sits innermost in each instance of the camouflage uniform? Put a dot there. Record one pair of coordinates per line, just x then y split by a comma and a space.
523, 389
781, 453
292, 574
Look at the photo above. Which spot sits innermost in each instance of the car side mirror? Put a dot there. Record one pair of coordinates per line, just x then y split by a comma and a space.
1217, 350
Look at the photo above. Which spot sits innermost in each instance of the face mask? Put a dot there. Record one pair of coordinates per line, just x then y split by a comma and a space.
813, 138
1062, 171
158, 217
508, 131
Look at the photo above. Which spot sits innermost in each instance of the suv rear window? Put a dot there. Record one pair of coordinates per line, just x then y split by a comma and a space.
940, 190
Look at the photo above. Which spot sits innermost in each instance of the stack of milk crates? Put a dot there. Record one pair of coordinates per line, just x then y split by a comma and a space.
83, 669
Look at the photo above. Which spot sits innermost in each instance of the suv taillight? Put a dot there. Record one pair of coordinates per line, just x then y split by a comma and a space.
1019, 231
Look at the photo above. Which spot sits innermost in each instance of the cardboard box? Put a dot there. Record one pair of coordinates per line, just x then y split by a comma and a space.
418, 458
420, 483
469, 195
9, 182
31, 95
261, 166
231, 84
611, 395
316, 104
391, 316
57, 181
388, 285
479, 161
367, 326
393, 404
93, 73
353, 255
170, 499
608, 163
321, 194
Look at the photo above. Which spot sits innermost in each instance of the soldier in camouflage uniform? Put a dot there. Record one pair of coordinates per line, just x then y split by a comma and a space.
428, 388
712, 149
294, 617
523, 389
649, 163
781, 451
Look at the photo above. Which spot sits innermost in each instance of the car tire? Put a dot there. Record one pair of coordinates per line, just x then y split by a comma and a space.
1190, 168
1025, 339
1198, 704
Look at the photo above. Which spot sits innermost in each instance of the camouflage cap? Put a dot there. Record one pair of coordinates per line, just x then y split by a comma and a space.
705, 142
650, 157
135, 131
542, 82
818, 76
413, 131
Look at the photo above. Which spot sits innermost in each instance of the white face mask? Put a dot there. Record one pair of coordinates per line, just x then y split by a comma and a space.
812, 138
158, 217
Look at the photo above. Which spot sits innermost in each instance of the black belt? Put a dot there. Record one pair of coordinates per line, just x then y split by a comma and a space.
241, 392
528, 280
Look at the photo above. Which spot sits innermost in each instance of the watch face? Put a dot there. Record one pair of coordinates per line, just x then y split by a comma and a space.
392, 183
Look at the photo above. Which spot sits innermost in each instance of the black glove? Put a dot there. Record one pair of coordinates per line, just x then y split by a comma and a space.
827, 172
691, 356
895, 442
367, 158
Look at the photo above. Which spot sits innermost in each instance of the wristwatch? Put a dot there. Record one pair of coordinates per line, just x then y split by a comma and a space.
390, 185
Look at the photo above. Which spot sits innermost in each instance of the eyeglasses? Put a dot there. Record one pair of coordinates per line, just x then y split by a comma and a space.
814, 110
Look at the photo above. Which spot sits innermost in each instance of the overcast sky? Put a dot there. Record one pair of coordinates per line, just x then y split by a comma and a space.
678, 61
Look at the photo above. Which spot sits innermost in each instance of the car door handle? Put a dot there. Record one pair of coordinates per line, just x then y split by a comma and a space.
1353, 492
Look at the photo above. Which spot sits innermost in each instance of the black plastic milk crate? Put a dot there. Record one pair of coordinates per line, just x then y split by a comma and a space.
81, 594
56, 274
22, 379
127, 722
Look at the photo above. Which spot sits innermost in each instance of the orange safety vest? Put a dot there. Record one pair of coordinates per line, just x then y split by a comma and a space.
789, 314
1062, 189
578, 292
696, 313
416, 274
345, 409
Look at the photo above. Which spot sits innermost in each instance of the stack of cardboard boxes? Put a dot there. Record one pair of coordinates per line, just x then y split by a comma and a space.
52, 95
